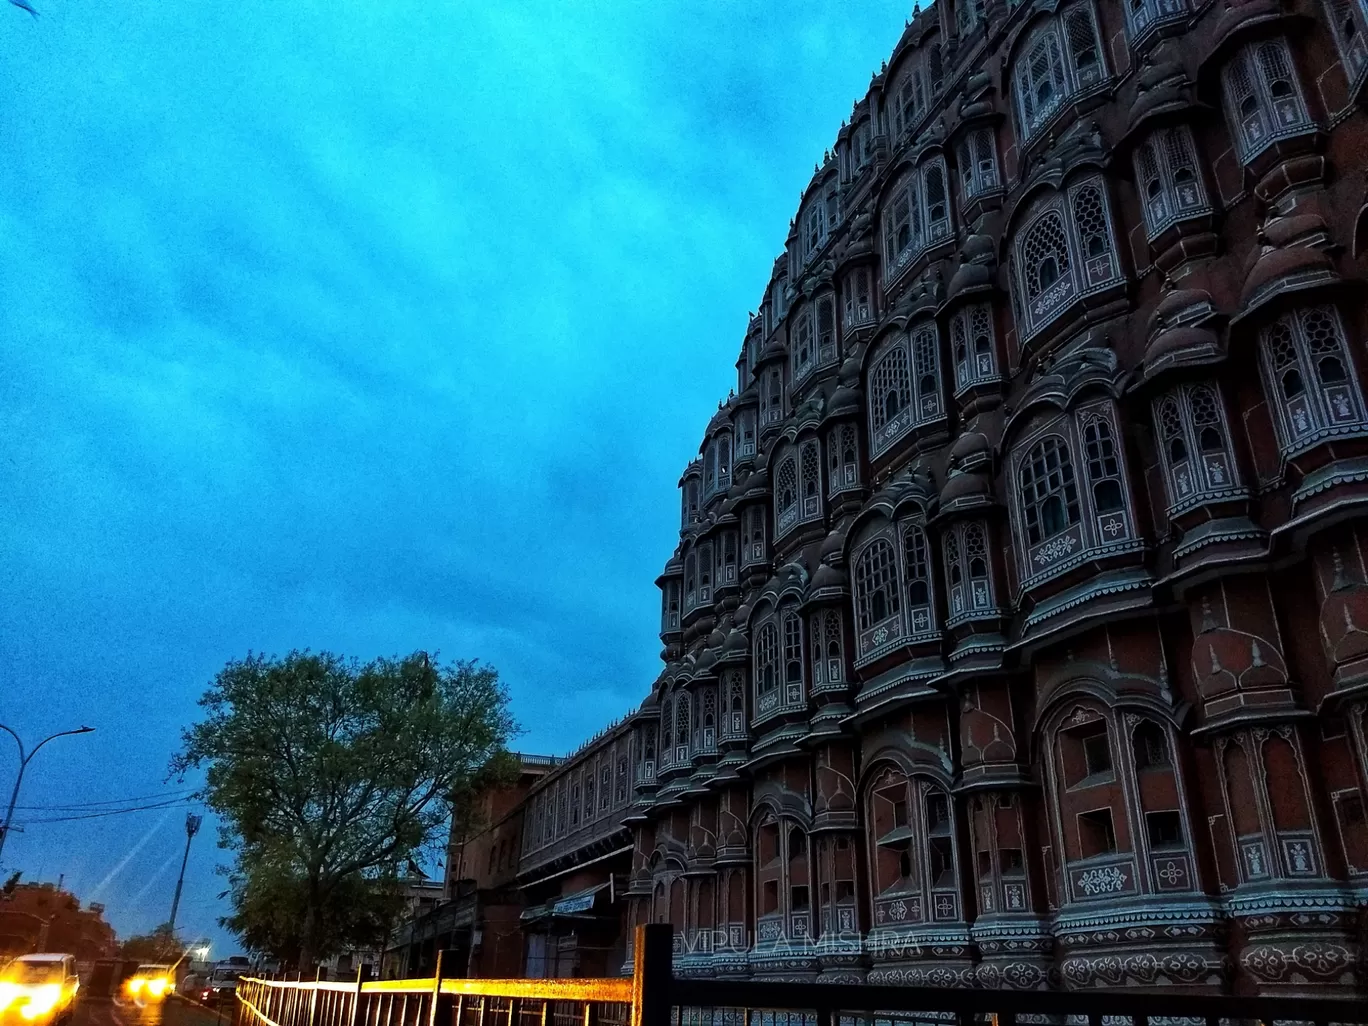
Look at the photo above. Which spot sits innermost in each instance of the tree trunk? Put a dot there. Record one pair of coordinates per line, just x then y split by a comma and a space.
309, 935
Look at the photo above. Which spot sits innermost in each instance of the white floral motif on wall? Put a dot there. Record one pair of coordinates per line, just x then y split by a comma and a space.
1102, 881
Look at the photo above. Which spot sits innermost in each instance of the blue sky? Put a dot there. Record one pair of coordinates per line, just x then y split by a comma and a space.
368, 327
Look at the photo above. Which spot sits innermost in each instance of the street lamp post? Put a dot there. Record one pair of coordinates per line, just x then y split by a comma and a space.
24, 759
192, 825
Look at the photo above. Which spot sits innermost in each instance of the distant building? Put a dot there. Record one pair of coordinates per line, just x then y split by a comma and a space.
40, 917
477, 922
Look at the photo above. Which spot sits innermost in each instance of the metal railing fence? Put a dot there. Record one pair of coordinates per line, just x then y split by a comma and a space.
652, 996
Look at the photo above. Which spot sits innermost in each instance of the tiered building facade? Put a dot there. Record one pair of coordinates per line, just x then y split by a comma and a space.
1017, 634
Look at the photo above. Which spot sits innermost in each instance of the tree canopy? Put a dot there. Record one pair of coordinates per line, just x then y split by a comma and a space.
327, 774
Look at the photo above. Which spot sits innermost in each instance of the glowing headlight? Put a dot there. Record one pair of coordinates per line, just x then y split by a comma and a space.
158, 985
8, 992
136, 984
41, 1000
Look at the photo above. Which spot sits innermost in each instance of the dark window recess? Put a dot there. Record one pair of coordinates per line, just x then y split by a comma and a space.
826, 894
900, 814
1150, 746
798, 898
1165, 829
937, 814
1012, 861
843, 844
904, 865
942, 860
770, 896
845, 890
985, 864
1097, 754
1095, 833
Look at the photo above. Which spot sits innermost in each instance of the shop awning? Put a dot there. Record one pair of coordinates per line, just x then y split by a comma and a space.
580, 901
535, 912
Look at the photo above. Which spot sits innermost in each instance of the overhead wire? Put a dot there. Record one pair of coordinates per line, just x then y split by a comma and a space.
181, 802
80, 806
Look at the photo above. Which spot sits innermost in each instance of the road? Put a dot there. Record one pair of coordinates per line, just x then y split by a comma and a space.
175, 1011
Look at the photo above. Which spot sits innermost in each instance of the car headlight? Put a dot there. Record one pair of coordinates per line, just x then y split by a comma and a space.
136, 984
157, 986
8, 992
41, 1000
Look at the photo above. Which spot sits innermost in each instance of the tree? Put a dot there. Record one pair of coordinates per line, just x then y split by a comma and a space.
327, 773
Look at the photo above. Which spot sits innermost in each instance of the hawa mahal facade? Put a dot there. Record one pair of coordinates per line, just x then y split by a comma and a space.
1017, 634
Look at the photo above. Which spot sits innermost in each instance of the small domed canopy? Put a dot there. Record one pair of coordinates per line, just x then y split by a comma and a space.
965, 488
832, 548
1288, 259
1180, 333
845, 400
827, 580
1160, 87
971, 449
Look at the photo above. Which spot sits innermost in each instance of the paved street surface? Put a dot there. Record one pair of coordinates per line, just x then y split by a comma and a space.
175, 1011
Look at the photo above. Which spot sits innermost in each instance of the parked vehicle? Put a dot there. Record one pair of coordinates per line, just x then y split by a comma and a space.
151, 982
221, 987
39, 989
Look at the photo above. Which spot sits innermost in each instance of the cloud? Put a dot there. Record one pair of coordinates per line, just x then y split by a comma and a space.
370, 327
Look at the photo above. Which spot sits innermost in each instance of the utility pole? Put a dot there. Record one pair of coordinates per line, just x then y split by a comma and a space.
192, 825
24, 758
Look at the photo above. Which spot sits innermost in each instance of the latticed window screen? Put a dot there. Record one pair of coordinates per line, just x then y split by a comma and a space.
976, 556
753, 550
1263, 96
858, 308
1310, 378
971, 341
834, 642
1104, 469
826, 329
876, 584
1349, 24
1143, 15
1063, 57
925, 357
793, 651
1194, 445
786, 493
917, 579
968, 15
978, 162
1044, 256
1049, 493
801, 355
937, 200
767, 659
811, 469
1170, 183
890, 388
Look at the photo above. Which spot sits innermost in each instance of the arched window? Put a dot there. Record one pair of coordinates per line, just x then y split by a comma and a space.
707, 739
1046, 266
793, 657
767, 667
829, 647
971, 339
842, 459
723, 455
1144, 15
1349, 24
753, 536
1310, 378
966, 568
858, 307
1065, 250
745, 445
890, 395
710, 469
1263, 97
978, 163
1194, 446
1104, 470
773, 398
690, 581
801, 352
877, 605
926, 360
916, 216
811, 469
1061, 58
826, 330
690, 502
1167, 175
683, 726
1049, 494
786, 494
726, 567
921, 613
